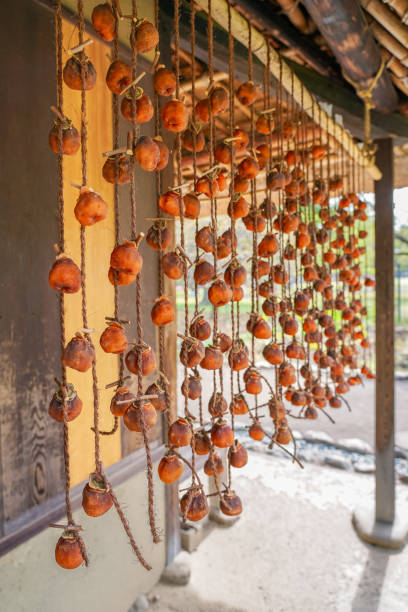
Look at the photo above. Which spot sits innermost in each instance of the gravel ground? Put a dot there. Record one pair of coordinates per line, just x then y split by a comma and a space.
293, 549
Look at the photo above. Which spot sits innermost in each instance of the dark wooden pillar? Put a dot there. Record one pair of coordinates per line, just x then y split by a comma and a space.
384, 301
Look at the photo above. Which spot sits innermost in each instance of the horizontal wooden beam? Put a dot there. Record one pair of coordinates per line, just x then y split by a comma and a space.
290, 81
201, 46
347, 102
336, 92
37, 518
277, 25
346, 32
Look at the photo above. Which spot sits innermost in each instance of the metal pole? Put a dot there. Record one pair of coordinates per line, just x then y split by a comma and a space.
384, 273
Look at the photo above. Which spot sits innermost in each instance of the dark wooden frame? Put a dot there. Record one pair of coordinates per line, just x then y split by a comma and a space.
384, 303
37, 518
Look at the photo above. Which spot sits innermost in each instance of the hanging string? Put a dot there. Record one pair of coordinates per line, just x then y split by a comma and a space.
254, 266
231, 195
116, 207
139, 326
182, 220
84, 141
60, 106
60, 187
162, 360
115, 109
211, 146
194, 135
98, 463
281, 147
214, 222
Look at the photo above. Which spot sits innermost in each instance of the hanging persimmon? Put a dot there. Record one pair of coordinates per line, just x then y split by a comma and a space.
68, 552
96, 497
238, 455
79, 353
146, 153
170, 468
90, 208
144, 109
163, 311
103, 21
121, 401
70, 139
230, 504
73, 404
246, 93
113, 339
147, 36
174, 116
119, 76
77, 67
117, 169
143, 354
164, 81
65, 276
179, 433
196, 505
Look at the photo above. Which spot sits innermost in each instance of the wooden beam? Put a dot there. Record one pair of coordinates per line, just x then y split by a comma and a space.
346, 32
201, 46
350, 106
378, 521
290, 82
279, 27
334, 91
384, 301
37, 518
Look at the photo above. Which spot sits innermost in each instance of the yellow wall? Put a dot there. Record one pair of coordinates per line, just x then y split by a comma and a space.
100, 242
145, 8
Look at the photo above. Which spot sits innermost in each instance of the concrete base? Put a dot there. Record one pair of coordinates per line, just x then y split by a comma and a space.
192, 534
179, 570
388, 535
222, 519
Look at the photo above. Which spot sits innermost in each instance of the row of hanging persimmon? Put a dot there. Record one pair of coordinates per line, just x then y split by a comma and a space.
312, 319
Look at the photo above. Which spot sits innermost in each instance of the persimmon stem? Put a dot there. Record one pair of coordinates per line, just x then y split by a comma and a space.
80, 47
114, 319
126, 150
116, 382
135, 82
56, 112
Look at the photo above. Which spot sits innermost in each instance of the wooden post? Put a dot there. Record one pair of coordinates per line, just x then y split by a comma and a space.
377, 521
173, 538
384, 329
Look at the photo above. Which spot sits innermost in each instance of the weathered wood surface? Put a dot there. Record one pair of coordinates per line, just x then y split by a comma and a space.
31, 465
36, 518
346, 31
30, 443
384, 265
266, 17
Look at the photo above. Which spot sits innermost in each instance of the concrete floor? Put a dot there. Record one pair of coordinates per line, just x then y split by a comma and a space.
293, 549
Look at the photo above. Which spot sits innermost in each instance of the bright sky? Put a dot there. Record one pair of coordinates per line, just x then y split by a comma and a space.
401, 207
